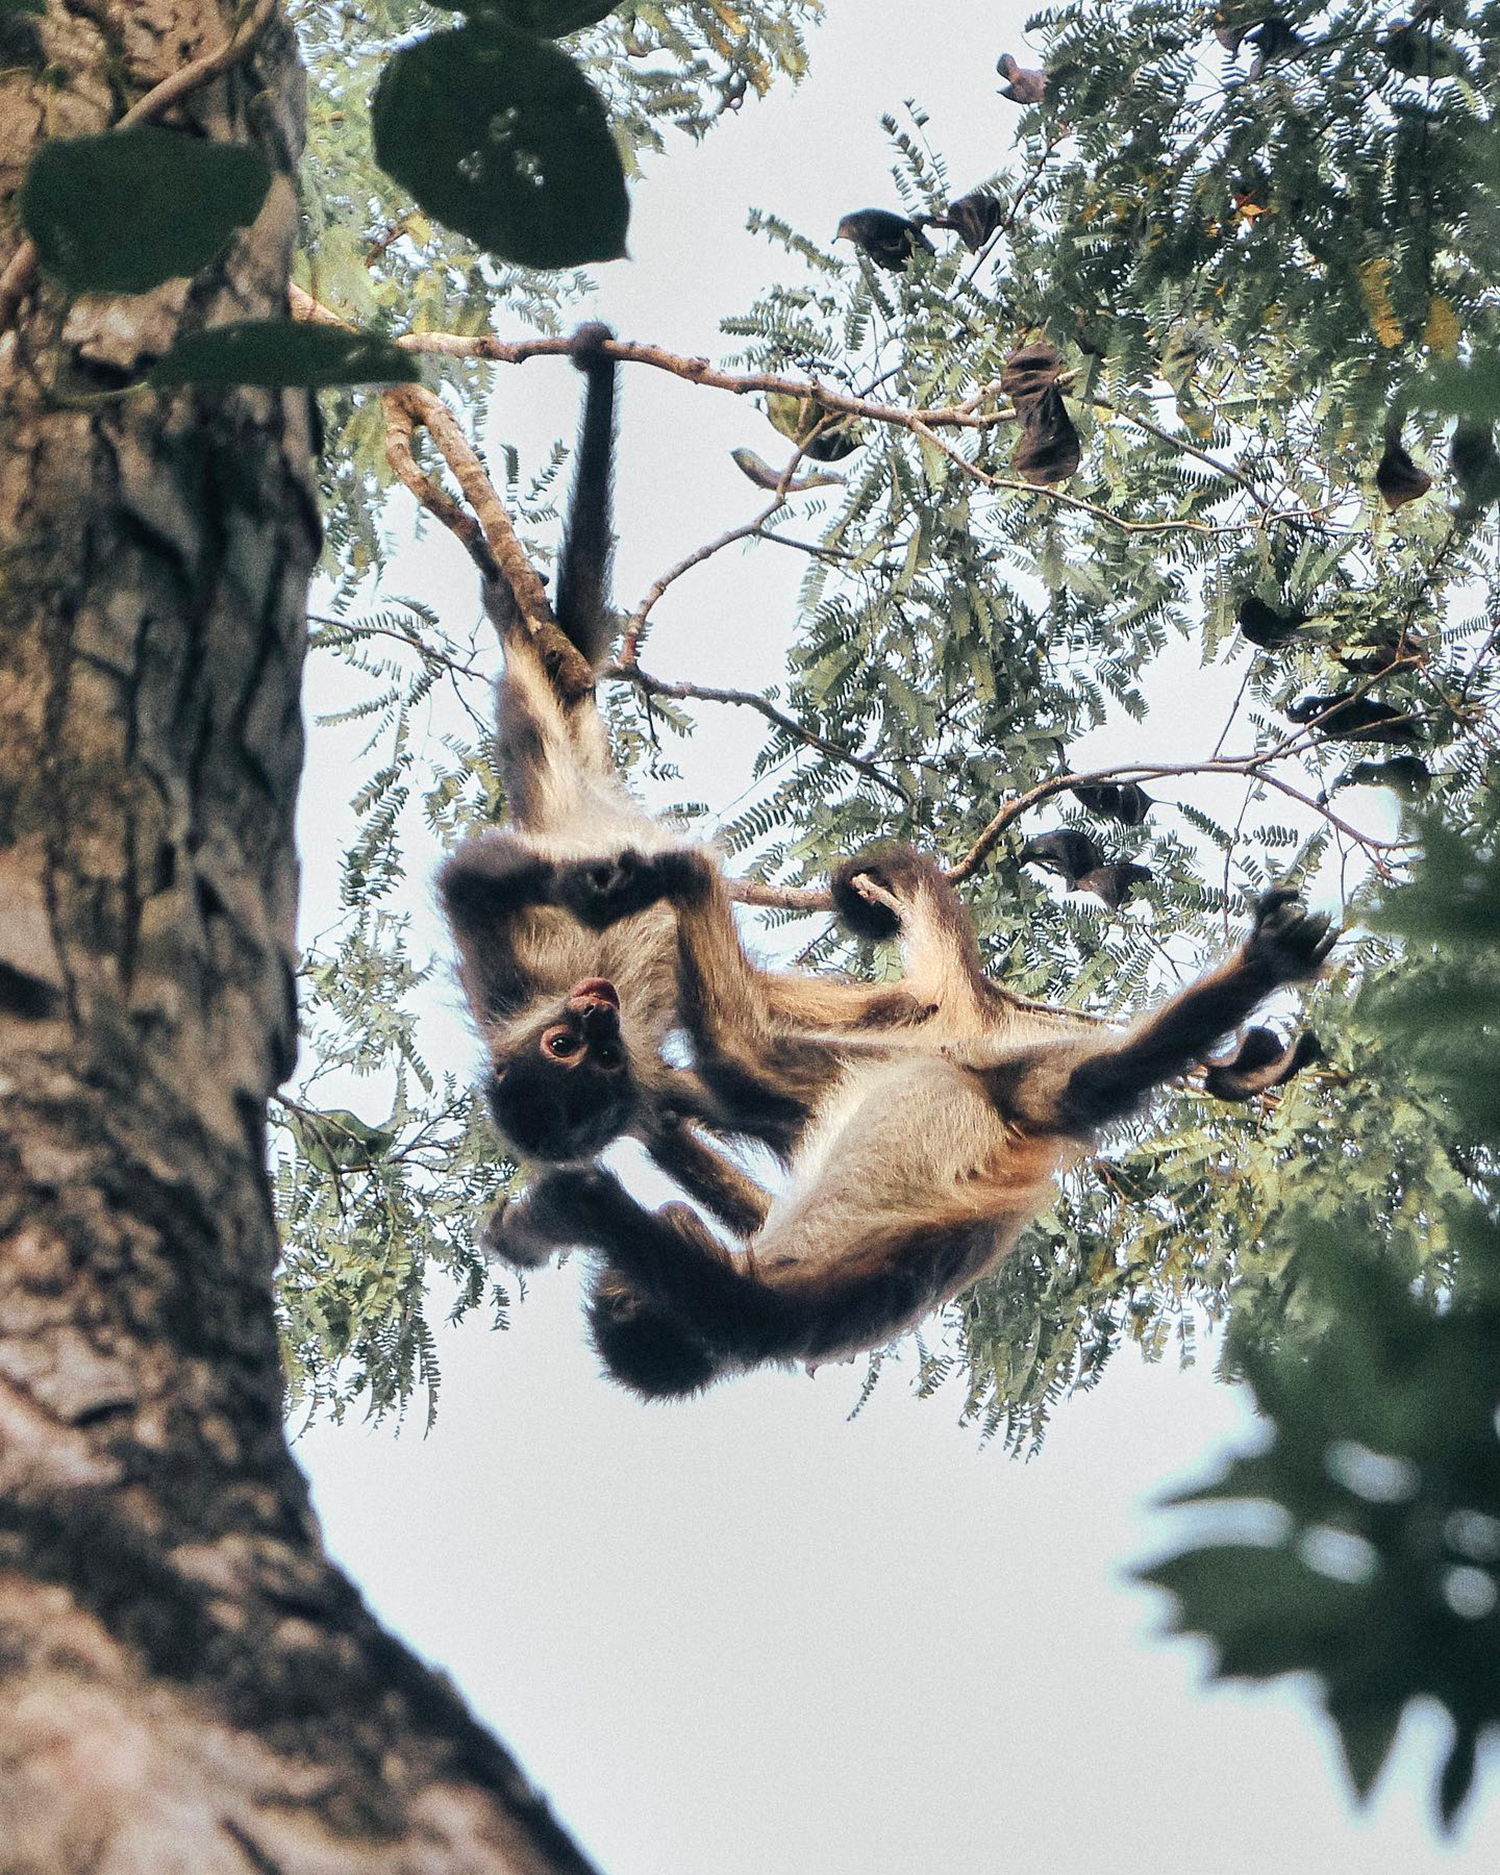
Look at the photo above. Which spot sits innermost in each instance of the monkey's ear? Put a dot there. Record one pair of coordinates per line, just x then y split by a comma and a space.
1261, 1062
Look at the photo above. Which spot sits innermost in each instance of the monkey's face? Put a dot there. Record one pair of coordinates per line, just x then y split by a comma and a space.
564, 1088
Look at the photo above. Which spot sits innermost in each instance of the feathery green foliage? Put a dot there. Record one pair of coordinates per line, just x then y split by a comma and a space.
1372, 1517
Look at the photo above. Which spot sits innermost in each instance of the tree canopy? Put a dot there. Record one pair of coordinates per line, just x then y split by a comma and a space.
1248, 264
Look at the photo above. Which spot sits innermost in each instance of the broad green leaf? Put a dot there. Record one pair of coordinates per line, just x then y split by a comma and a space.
544, 19
503, 139
122, 212
284, 352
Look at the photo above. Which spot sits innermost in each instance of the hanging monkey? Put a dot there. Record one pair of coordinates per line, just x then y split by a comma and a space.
574, 1017
569, 925
563, 921
917, 1154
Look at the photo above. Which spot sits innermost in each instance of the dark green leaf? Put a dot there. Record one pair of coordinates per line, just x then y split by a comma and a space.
284, 352
23, 6
1264, 1610
544, 19
123, 212
1366, 1733
503, 139
1458, 1773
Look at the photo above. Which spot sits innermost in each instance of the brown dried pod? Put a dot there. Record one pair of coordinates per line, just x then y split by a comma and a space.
1263, 625
1475, 463
1028, 372
973, 218
1065, 851
890, 240
1353, 718
1397, 477
1127, 801
1049, 450
1027, 85
1115, 883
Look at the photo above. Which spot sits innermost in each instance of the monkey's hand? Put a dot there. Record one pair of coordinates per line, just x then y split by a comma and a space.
1288, 943
528, 1231
491, 876
871, 893
600, 892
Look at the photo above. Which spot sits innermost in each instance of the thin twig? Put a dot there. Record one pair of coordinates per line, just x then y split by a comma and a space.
631, 673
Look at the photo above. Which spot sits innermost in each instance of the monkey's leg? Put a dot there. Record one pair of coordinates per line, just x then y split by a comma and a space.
671, 1256
706, 1173
1287, 944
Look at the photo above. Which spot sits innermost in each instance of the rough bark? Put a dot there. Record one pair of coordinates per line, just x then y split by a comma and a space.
187, 1682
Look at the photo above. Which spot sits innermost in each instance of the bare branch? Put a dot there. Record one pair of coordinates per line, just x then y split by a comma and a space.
694, 370
631, 673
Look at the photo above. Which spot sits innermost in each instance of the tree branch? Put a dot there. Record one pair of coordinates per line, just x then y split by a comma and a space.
631, 673
694, 370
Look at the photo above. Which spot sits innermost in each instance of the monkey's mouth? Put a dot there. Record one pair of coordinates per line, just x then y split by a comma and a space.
596, 990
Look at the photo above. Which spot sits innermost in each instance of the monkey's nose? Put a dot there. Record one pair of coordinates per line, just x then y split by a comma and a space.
598, 990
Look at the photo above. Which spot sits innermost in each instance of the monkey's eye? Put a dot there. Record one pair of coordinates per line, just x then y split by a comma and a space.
561, 1042
608, 1056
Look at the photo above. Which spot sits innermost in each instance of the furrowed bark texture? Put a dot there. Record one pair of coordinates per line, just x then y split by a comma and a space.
186, 1683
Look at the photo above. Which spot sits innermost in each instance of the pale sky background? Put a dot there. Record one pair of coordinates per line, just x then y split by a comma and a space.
746, 1635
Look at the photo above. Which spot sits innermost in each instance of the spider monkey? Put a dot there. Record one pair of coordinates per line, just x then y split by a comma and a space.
915, 1116
917, 1154
566, 935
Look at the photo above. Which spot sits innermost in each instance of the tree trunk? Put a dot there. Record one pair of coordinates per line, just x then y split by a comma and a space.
188, 1683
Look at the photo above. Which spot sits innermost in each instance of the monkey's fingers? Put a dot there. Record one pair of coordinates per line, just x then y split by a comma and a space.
507, 1235
1291, 941
871, 889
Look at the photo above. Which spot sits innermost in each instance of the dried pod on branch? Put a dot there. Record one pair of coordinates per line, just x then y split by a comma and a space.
890, 240
1065, 851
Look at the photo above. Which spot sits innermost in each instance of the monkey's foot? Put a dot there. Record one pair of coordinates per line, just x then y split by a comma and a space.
516, 1234
871, 892
1288, 941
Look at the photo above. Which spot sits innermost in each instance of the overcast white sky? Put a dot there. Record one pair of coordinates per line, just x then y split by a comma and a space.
746, 1636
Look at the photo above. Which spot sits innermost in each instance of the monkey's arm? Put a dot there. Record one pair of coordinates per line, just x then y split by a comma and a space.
484, 887
705, 1172
1286, 945
897, 892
